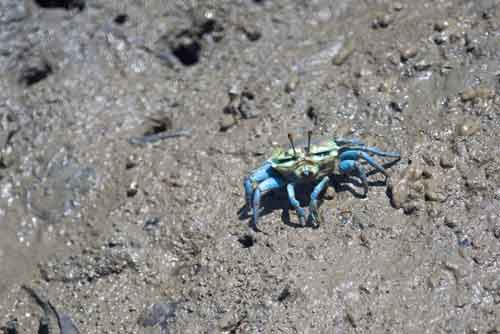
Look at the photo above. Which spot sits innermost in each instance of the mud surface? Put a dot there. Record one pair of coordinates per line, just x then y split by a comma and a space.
151, 236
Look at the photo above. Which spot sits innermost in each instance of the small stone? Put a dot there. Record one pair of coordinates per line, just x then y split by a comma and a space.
446, 160
132, 190
468, 94
393, 58
8, 157
227, 122
475, 181
252, 32
412, 207
422, 65
441, 26
496, 232
397, 6
132, 161
382, 21
468, 127
451, 222
432, 196
440, 39
408, 53
344, 53
427, 173
292, 83
485, 92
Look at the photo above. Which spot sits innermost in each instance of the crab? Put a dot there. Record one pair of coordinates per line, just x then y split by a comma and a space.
311, 164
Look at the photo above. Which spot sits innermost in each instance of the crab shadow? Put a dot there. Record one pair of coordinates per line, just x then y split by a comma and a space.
278, 199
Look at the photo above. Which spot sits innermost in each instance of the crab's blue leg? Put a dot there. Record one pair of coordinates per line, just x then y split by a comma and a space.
313, 205
344, 141
373, 150
265, 186
260, 174
296, 205
355, 154
349, 167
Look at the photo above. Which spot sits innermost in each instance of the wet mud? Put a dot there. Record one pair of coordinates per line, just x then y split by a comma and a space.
126, 131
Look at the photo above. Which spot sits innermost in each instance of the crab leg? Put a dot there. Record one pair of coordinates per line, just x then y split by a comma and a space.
349, 167
265, 186
373, 150
355, 154
259, 175
296, 205
313, 204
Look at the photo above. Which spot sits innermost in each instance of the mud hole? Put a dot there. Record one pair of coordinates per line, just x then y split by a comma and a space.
153, 238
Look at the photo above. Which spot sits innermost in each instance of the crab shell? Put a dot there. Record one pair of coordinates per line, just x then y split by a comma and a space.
302, 166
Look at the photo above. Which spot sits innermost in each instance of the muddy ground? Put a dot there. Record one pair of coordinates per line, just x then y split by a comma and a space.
154, 238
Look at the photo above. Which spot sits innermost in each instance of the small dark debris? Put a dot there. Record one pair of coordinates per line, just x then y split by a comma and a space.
65, 4
252, 32
35, 73
121, 18
397, 106
152, 138
247, 241
312, 114
284, 294
151, 223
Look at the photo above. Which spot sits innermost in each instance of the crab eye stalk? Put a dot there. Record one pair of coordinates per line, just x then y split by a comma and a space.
309, 134
290, 138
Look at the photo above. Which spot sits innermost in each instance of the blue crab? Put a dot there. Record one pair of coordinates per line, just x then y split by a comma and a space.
311, 164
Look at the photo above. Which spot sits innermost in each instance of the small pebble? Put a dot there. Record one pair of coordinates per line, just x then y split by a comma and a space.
132, 190
441, 26
408, 53
344, 53
451, 222
440, 39
252, 32
477, 92
468, 94
446, 160
382, 21
432, 196
468, 128
292, 83
227, 122
132, 161
397, 6
422, 65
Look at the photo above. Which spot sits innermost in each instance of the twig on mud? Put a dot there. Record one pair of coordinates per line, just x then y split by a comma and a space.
152, 138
